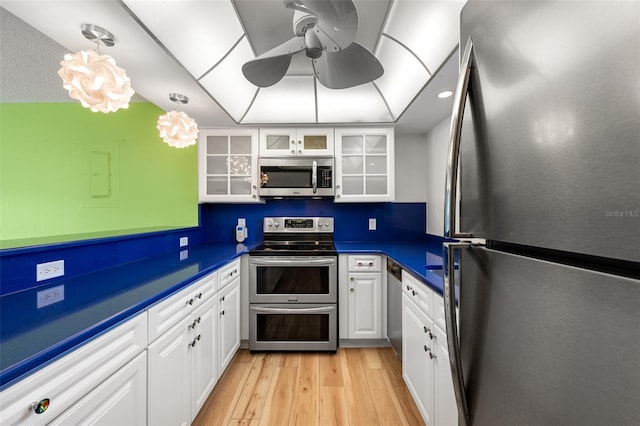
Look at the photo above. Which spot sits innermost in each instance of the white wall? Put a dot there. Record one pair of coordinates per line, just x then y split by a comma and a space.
437, 144
411, 172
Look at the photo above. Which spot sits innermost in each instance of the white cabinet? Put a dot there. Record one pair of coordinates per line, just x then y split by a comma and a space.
228, 323
364, 165
119, 400
183, 367
169, 390
166, 313
63, 383
360, 296
296, 142
417, 368
425, 357
365, 305
446, 412
228, 165
204, 353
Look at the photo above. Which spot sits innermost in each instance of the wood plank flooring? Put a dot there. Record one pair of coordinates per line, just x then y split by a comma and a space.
353, 387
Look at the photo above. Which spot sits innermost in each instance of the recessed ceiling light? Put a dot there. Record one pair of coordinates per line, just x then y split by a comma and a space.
445, 94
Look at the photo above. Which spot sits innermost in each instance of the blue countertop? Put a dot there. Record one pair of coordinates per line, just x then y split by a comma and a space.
423, 260
32, 337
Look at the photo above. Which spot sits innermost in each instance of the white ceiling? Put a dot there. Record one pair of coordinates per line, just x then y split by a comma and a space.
196, 48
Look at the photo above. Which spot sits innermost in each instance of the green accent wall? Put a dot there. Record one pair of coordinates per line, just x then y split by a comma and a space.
66, 171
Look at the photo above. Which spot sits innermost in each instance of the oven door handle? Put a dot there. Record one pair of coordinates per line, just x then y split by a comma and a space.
284, 262
292, 310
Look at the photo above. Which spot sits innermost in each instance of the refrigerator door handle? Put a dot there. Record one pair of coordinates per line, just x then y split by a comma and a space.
453, 157
453, 344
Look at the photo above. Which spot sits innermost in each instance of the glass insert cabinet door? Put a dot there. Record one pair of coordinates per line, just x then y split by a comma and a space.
365, 165
281, 142
227, 163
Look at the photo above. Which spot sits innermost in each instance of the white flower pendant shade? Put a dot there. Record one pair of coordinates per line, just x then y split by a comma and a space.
177, 129
96, 81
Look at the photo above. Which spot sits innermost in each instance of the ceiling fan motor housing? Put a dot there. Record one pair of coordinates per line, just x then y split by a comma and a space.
302, 21
314, 47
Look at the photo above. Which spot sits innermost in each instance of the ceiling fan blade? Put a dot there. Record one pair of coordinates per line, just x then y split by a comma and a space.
269, 68
337, 24
350, 67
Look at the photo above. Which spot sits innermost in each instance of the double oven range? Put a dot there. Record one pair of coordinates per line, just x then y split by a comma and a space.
293, 286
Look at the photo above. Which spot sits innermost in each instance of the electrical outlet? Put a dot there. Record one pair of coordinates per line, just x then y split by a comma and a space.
184, 254
45, 271
50, 296
184, 241
372, 224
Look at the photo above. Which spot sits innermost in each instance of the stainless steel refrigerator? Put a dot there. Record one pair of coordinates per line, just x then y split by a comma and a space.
543, 192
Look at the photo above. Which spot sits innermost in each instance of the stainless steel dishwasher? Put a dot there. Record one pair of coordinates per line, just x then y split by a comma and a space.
394, 305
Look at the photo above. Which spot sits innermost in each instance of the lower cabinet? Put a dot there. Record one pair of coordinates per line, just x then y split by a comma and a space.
204, 356
365, 305
169, 382
228, 323
425, 357
101, 381
417, 368
360, 295
120, 400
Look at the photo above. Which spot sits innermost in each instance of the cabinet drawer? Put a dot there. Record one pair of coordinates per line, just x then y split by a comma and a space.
366, 262
419, 293
121, 399
166, 313
228, 273
70, 378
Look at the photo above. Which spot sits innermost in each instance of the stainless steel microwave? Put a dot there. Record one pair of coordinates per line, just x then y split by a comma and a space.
296, 177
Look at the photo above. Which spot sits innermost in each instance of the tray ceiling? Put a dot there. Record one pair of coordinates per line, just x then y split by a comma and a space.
198, 47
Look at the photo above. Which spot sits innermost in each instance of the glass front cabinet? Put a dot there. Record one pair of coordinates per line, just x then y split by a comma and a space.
227, 165
364, 164
296, 142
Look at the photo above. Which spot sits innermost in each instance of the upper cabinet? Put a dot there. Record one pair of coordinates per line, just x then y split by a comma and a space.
364, 165
291, 141
227, 165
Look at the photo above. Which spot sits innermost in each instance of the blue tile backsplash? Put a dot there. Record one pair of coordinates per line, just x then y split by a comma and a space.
395, 222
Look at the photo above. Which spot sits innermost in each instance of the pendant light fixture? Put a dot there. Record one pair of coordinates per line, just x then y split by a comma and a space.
176, 128
94, 79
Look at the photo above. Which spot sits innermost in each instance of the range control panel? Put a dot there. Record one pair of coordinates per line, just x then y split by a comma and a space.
298, 224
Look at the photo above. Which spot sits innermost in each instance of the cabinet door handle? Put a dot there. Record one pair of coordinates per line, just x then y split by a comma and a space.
199, 296
41, 406
222, 313
431, 355
190, 302
408, 288
413, 292
426, 349
352, 290
351, 279
370, 263
222, 300
426, 329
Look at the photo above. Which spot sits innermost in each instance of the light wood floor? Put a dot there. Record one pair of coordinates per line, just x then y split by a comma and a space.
352, 387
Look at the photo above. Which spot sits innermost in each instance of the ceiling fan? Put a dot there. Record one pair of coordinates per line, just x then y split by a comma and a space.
325, 30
